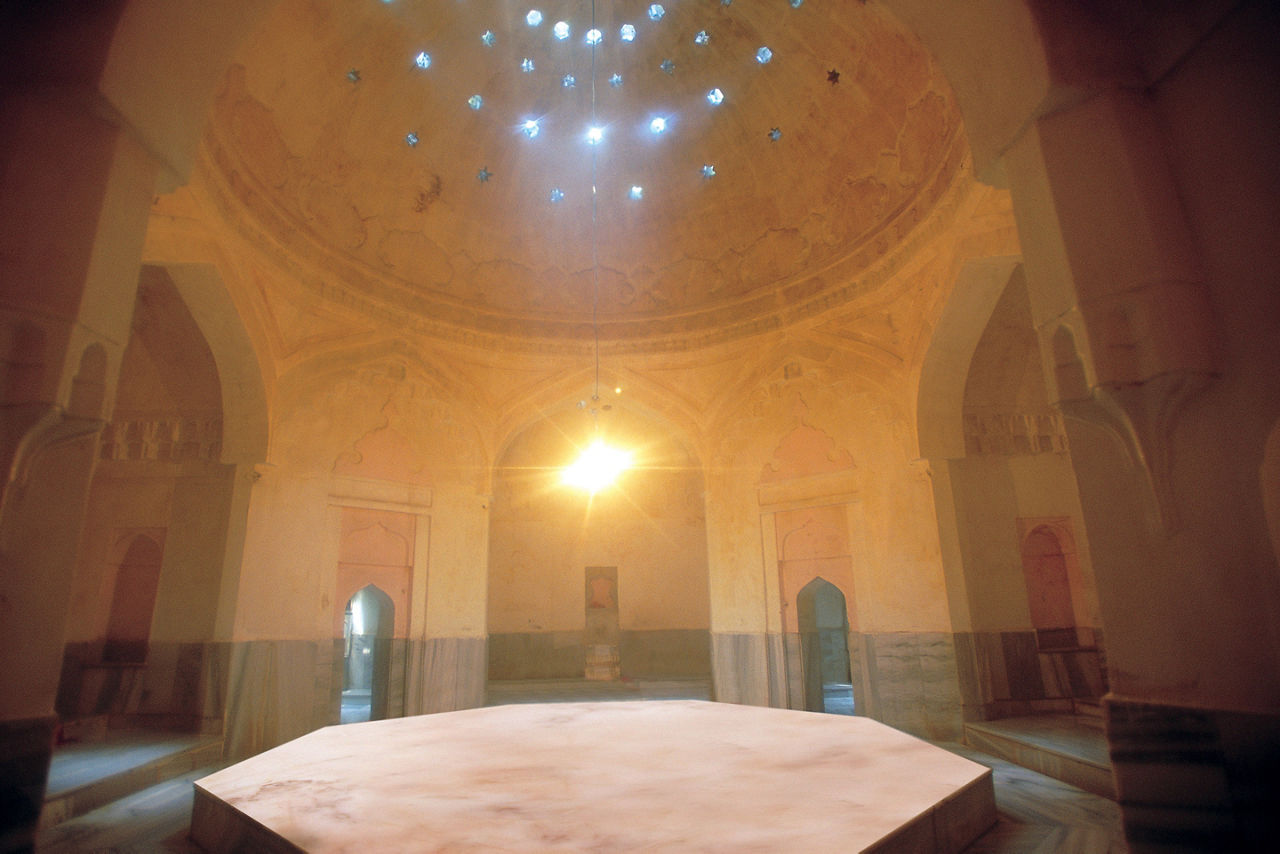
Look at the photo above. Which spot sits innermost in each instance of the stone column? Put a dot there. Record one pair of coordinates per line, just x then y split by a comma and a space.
74, 197
1187, 586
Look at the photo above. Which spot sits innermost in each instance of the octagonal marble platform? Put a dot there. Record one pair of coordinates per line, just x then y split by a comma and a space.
632, 776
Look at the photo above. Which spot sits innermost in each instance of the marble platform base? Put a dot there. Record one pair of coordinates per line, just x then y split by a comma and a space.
652, 776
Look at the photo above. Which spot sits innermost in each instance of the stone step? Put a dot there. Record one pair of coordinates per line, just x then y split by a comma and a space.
87, 775
1059, 746
1089, 713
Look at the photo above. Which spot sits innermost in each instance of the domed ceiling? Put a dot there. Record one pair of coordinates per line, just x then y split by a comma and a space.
385, 148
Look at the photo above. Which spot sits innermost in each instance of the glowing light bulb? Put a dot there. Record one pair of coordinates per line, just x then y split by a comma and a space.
533, 18
594, 37
715, 97
597, 467
658, 125
530, 128
561, 30
595, 135
422, 60
637, 192
627, 33
656, 12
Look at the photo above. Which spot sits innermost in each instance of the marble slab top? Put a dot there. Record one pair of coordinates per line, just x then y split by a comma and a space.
615, 776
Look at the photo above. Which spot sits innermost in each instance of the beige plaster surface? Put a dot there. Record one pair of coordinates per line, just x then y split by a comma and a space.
650, 775
320, 163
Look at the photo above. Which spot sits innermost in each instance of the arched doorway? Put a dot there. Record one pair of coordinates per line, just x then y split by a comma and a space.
824, 639
367, 629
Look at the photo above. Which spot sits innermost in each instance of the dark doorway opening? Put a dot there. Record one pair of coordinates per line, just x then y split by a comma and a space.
824, 641
367, 628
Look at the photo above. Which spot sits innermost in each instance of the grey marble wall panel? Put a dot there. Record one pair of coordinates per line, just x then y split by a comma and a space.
740, 668
662, 653
941, 685
452, 674
271, 692
562, 655
328, 701
969, 675
857, 673
871, 704
180, 686
87, 687
793, 648
1021, 662
399, 650
776, 657
1004, 673
912, 682
536, 655
991, 666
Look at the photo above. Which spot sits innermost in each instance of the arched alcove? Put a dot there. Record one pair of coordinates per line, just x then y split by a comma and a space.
132, 602
823, 617
1044, 566
368, 626
546, 538
159, 471
1020, 579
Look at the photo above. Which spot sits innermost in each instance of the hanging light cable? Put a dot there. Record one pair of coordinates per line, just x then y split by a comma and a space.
595, 224
598, 464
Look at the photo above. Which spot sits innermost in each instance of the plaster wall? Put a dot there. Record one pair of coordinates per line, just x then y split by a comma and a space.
896, 565
544, 534
991, 494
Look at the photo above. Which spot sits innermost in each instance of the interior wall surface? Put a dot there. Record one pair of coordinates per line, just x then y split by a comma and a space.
158, 475
544, 534
364, 440
824, 436
1167, 436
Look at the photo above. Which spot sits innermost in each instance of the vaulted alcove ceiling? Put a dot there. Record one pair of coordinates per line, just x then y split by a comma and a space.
333, 147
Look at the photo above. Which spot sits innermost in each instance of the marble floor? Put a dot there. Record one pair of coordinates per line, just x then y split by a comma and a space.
356, 706
1036, 814
1041, 815
837, 698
